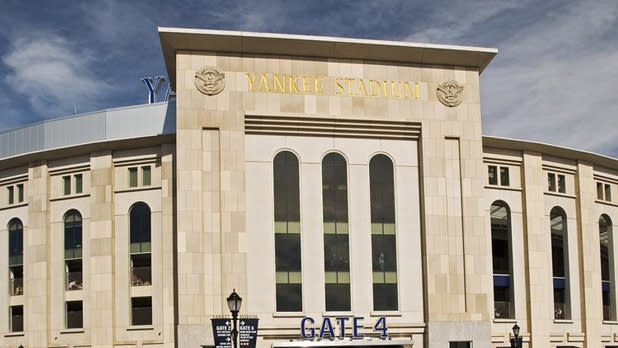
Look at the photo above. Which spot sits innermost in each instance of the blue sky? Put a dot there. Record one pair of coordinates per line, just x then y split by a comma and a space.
555, 79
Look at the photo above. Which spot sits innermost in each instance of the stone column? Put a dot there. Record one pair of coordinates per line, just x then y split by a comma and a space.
36, 235
536, 248
588, 238
101, 277
168, 179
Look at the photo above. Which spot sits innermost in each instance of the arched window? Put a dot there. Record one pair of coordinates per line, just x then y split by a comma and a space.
501, 251
287, 232
383, 239
607, 268
139, 217
16, 257
336, 241
73, 250
560, 263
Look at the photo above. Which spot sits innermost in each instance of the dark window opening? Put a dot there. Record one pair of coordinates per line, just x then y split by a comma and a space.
504, 176
79, 186
20, 193
146, 176
66, 181
133, 177
607, 260
140, 248
493, 175
16, 316
141, 273
504, 307
141, 311
559, 245
74, 315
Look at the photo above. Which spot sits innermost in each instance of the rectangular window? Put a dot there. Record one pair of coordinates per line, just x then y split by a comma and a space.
20, 193
504, 176
561, 184
460, 344
141, 311
78, 183
16, 316
146, 176
16, 280
599, 190
133, 177
608, 192
493, 175
74, 278
74, 315
11, 192
141, 269
66, 180
551, 182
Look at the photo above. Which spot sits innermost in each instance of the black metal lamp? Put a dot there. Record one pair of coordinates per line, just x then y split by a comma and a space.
516, 342
233, 303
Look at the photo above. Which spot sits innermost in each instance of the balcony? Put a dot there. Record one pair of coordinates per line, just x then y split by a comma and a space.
16, 286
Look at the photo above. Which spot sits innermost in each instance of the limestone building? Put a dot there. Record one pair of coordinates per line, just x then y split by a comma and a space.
319, 177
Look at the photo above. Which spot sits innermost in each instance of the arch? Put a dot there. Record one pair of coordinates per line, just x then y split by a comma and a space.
336, 234
72, 234
286, 187
16, 257
560, 263
383, 232
140, 223
607, 267
140, 244
502, 260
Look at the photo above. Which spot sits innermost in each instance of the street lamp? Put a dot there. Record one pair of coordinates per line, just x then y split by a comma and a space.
233, 303
516, 342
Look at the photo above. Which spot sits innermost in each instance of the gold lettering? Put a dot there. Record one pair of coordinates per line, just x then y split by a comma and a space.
408, 90
417, 89
279, 82
317, 85
361, 87
250, 78
394, 91
384, 89
374, 92
263, 83
306, 84
339, 85
293, 88
350, 93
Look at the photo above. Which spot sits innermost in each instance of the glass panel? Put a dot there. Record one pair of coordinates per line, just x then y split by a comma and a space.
72, 235
561, 184
551, 182
74, 315
11, 191
16, 280
141, 311
141, 274
504, 176
289, 297
20, 193
608, 192
78, 183
501, 257
74, 279
384, 297
66, 181
16, 243
133, 177
146, 176
287, 252
337, 297
17, 318
140, 228
560, 264
607, 259
336, 253
493, 175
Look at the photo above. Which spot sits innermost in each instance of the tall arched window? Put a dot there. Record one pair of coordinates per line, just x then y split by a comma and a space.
73, 250
383, 239
140, 244
16, 257
607, 268
501, 251
287, 232
336, 241
560, 263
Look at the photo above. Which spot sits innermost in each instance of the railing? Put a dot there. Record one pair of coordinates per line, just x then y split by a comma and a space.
16, 286
74, 281
141, 276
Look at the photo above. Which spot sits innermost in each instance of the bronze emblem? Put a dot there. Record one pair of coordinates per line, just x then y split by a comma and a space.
209, 80
450, 93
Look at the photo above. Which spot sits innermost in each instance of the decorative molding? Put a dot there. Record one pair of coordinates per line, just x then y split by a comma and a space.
450, 93
209, 80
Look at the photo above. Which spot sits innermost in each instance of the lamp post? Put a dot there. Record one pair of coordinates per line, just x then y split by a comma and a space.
516, 342
233, 303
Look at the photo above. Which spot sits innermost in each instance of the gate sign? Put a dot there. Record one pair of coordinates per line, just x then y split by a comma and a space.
247, 332
222, 332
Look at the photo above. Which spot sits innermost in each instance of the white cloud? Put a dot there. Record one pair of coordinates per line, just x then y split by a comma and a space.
53, 76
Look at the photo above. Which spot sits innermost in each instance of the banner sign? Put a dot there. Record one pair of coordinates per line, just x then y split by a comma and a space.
222, 332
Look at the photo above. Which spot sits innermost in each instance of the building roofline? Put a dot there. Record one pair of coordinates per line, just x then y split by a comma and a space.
243, 42
549, 149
